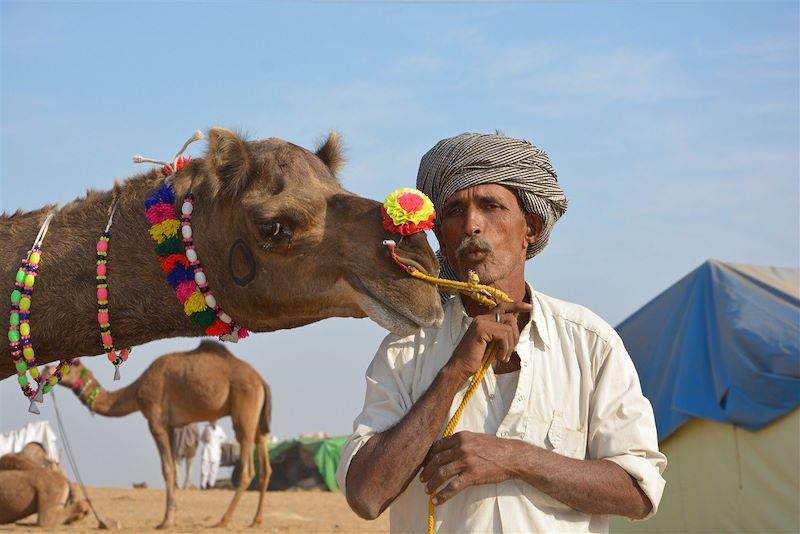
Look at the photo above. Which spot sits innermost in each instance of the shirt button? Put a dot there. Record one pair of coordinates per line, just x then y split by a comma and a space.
491, 395
504, 434
524, 364
521, 398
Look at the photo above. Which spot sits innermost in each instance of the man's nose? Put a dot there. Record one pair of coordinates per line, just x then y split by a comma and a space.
473, 222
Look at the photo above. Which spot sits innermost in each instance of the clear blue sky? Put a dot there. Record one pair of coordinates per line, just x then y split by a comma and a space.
673, 127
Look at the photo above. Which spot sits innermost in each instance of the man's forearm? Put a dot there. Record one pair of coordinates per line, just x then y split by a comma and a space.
589, 486
384, 466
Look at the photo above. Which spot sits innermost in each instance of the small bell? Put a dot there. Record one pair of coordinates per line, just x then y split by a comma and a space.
33, 408
232, 336
39, 397
116, 371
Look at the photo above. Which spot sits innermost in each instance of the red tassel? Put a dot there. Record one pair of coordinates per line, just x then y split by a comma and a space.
218, 328
169, 262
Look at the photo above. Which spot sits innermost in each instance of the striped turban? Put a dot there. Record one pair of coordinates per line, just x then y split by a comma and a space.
473, 159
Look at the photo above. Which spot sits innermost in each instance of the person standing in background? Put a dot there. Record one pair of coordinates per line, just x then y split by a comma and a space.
212, 439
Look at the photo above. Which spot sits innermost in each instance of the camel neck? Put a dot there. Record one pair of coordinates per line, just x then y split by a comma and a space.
142, 306
116, 403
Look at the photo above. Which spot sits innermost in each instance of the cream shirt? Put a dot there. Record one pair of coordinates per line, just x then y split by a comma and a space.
578, 395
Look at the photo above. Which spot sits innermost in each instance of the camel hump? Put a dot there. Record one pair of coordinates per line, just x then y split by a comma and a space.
210, 345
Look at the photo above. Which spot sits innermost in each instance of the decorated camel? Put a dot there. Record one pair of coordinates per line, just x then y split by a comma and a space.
30, 487
282, 245
186, 387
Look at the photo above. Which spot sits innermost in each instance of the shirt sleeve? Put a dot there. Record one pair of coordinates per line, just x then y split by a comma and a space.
622, 426
387, 398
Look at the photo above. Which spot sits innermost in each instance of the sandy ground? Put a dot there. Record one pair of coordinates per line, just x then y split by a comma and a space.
141, 510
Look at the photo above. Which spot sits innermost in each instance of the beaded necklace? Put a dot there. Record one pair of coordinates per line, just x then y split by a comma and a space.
114, 356
179, 258
19, 329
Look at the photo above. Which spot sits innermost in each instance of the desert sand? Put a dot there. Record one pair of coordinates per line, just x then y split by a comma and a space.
141, 510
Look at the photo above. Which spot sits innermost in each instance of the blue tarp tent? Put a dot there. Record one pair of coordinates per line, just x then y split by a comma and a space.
723, 343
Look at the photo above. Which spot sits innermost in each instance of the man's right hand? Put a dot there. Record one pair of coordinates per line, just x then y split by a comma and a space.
499, 325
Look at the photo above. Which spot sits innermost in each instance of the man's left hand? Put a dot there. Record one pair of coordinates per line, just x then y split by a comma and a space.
466, 459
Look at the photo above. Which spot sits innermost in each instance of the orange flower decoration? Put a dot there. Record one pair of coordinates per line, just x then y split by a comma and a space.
407, 211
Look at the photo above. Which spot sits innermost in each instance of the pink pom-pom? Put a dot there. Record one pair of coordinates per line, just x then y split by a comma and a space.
243, 333
111, 357
107, 339
101, 269
102, 293
124, 355
102, 245
102, 317
185, 290
160, 212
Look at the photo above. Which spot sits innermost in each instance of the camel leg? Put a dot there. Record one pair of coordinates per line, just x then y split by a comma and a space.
51, 510
245, 440
161, 435
264, 472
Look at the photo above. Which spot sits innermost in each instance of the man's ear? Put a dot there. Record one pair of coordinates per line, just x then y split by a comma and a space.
535, 225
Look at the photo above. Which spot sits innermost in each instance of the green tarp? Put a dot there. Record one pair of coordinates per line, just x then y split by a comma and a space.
325, 452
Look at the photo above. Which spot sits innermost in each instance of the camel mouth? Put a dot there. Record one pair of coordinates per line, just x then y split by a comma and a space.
392, 319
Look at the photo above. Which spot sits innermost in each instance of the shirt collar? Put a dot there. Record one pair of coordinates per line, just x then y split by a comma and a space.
537, 321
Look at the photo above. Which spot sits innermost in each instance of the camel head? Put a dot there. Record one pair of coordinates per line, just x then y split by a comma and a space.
78, 375
283, 244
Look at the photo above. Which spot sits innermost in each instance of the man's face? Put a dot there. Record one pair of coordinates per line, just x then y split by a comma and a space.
483, 229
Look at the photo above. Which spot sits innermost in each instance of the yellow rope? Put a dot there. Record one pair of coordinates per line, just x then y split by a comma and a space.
483, 294
488, 296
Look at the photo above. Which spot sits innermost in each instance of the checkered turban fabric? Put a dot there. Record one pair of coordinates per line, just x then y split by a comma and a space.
472, 159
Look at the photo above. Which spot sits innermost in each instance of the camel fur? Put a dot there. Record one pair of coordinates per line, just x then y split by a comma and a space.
283, 244
30, 487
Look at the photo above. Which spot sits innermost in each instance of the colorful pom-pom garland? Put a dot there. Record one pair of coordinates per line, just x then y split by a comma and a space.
19, 331
181, 263
407, 211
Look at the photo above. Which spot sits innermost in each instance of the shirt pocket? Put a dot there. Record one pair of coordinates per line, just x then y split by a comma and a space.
558, 435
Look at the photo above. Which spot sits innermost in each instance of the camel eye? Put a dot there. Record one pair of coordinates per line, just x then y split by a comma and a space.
271, 228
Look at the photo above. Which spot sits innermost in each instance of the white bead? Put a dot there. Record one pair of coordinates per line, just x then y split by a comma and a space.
186, 232
211, 302
186, 209
191, 255
200, 278
225, 318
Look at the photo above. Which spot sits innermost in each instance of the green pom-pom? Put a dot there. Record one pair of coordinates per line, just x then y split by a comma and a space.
13, 336
22, 367
23, 380
15, 296
13, 320
173, 245
46, 388
203, 318
20, 275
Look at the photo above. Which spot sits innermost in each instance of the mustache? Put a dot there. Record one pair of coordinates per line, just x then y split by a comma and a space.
473, 243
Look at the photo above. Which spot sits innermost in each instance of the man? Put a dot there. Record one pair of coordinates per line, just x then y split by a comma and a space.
558, 435
212, 439
185, 440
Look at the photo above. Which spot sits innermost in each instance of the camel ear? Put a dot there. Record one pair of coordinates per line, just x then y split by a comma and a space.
331, 153
230, 160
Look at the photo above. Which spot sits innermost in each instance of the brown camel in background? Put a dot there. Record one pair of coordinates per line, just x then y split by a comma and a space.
186, 387
283, 244
30, 487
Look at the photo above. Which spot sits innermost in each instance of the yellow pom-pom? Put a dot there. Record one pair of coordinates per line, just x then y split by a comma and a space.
195, 303
25, 329
34, 259
27, 353
408, 205
164, 230
29, 280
